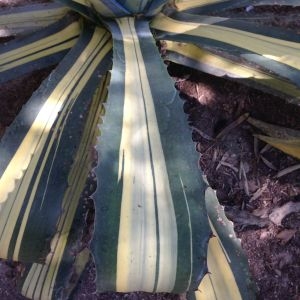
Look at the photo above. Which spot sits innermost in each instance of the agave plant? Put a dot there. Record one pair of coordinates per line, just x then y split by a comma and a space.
153, 217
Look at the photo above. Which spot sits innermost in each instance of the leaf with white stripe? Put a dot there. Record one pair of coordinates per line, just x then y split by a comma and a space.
151, 227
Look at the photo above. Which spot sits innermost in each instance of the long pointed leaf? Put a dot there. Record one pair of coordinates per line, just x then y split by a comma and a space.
229, 276
27, 18
275, 130
50, 280
83, 7
288, 146
151, 230
143, 6
209, 62
116, 8
37, 152
110, 8
282, 138
215, 6
44, 48
273, 53
92, 8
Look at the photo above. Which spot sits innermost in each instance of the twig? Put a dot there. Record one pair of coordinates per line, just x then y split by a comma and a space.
255, 146
217, 140
198, 93
258, 193
223, 159
240, 171
232, 125
244, 218
265, 148
204, 135
268, 164
287, 171
226, 164
215, 155
245, 180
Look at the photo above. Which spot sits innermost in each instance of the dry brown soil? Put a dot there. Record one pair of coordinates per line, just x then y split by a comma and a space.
242, 170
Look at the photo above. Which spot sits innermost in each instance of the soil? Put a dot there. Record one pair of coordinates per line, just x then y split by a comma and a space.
242, 170
213, 104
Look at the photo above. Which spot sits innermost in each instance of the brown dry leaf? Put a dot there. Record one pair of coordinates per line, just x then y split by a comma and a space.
268, 163
275, 131
287, 171
226, 164
288, 146
265, 235
245, 218
282, 138
261, 212
281, 260
244, 167
286, 235
279, 213
259, 192
265, 148
252, 186
232, 125
285, 259
203, 134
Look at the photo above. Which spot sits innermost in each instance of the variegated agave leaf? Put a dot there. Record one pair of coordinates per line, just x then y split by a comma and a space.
39, 149
147, 177
151, 229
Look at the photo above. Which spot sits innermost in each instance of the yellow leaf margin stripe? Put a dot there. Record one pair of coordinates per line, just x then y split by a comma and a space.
148, 204
199, 58
41, 282
282, 51
288, 146
57, 42
228, 274
142, 187
219, 283
20, 181
107, 9
282, 138
182, 5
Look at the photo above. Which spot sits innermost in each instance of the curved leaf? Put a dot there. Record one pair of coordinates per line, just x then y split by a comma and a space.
272, 53
228, 276
51, 280
42, 49
213, 6
28, 18
288, 146
206, 61
116, 8
275, 130
38, 150
282, 138
151, 227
